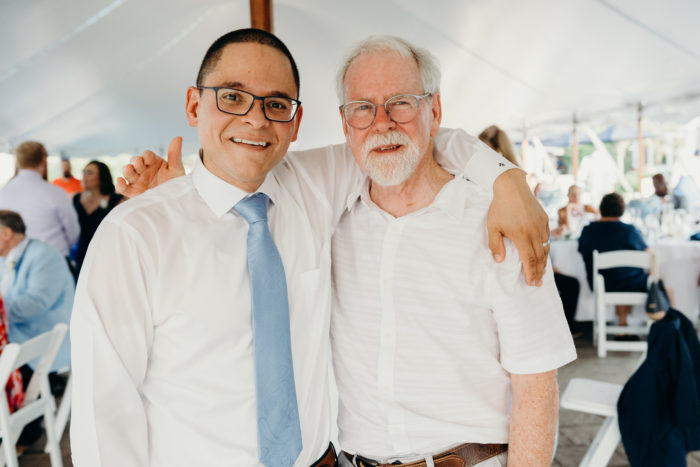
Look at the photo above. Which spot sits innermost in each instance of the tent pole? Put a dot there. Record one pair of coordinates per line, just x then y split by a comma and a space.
640, 142
574, 152
523, 147
261, 14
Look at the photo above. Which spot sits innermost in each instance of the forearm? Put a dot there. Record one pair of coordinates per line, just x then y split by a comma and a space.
26, 306
533, 420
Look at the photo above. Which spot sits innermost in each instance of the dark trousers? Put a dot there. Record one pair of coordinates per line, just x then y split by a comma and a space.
568, 288
32, 432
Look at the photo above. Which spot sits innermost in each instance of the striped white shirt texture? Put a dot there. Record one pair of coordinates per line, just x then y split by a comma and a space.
426, 327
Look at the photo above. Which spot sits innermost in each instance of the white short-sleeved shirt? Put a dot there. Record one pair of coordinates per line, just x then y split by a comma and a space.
426, 327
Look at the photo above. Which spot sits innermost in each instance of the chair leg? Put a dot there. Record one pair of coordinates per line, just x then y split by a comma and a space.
63, 412
8, 448
603, 445
602, 335
51, 442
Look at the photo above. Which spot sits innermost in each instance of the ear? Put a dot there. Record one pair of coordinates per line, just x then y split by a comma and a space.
192, 105
436, 111
297, 122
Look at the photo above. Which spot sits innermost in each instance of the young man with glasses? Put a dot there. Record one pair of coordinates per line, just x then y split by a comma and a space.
166, 350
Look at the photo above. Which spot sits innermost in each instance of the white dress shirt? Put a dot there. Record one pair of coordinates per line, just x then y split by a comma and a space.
426, 327
46, 209
161, 334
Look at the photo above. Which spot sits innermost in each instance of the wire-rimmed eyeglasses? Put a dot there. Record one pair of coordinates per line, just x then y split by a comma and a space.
401, 109
238, 102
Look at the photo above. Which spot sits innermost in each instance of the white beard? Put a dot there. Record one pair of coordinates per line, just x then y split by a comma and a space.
390, 169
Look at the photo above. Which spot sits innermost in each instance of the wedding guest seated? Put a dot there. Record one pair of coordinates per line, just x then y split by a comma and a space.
37, 288
661, 198
609, 234
94, 203
575, 214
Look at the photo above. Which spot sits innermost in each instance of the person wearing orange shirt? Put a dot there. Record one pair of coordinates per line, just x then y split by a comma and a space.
68, 182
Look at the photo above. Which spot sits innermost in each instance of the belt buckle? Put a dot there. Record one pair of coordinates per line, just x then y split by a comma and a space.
364, 462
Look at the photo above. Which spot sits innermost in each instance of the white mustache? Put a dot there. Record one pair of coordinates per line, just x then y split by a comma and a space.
386, 139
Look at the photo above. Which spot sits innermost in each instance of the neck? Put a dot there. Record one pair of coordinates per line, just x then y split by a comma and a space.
609, 219
92, 191
415, 193
16, 239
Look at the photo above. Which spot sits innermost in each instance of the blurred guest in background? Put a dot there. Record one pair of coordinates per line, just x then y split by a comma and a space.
497, 140
37, 288
609, 234
68, 182
661, 197
93, 203
46, 209
575, 214
568, 288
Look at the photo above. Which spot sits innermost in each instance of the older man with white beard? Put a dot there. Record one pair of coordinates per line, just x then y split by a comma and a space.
431, 338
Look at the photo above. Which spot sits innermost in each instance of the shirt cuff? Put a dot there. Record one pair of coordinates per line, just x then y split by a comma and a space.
485, 166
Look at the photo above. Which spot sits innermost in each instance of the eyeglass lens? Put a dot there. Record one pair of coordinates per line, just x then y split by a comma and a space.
238, 102
401, 109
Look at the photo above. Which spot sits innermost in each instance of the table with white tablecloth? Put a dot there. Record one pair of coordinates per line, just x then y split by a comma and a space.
678, 261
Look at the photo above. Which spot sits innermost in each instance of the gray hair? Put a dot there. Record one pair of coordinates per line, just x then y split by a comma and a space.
428, 66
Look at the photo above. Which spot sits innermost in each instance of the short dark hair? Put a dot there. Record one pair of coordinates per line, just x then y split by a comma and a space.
258, 36
12, 220
612, 205
106, 182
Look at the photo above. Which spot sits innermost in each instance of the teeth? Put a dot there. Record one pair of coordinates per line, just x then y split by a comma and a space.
388, 148
254, 143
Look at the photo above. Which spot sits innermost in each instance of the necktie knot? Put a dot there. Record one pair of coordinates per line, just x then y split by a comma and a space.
253, 208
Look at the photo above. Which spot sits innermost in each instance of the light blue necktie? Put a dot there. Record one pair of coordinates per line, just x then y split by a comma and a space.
279, 433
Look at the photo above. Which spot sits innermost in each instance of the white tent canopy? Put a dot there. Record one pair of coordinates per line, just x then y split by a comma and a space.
98, 77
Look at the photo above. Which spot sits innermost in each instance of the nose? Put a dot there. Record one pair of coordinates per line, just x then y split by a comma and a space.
382, 120
256, 116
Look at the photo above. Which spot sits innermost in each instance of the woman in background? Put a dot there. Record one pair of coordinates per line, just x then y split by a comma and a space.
497, 140
93, 203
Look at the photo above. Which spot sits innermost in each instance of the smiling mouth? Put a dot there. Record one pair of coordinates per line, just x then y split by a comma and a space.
388, 148
260, 144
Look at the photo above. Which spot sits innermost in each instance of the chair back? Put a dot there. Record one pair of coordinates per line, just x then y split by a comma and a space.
38, 399
616, 259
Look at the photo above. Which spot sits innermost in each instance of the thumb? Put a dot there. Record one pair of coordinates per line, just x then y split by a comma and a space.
496, 245
175, 155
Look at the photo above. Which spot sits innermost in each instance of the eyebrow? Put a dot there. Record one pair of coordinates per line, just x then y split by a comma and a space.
242, 87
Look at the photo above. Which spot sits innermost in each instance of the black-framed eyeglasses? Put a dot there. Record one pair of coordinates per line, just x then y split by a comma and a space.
401, 109
238, 102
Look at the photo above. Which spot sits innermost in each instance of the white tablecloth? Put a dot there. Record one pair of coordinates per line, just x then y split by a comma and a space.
678, 260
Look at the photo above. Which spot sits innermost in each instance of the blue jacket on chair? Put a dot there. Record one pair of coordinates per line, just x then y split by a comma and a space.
659, 407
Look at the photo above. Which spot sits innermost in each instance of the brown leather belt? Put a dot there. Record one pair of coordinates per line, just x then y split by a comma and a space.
464, 455
328, 459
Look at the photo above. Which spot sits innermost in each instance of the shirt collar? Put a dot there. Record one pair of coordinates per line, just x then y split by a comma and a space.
16, 253
28, 173
221, 196
452, 198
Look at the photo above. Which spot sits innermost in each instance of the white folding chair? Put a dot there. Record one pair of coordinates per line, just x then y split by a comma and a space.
614, 259
38, 399
600, 398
